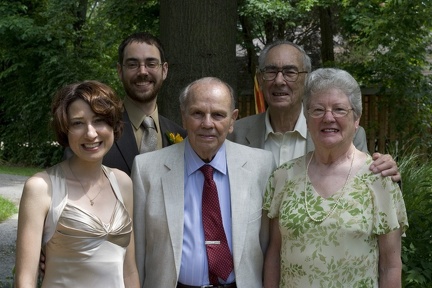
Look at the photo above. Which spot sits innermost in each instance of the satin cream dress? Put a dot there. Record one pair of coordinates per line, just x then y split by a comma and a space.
81, 250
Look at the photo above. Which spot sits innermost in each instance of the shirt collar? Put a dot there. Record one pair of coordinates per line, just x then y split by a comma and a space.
193, 161
300, 127
136, 115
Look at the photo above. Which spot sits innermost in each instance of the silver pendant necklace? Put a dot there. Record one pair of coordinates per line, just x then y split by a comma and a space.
84, 192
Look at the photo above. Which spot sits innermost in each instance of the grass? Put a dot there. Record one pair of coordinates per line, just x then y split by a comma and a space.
7, 208
17, 170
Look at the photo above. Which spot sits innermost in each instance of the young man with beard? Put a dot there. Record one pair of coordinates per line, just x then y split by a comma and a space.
142, 68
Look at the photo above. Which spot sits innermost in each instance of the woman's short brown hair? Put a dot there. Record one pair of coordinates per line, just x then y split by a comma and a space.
100, 97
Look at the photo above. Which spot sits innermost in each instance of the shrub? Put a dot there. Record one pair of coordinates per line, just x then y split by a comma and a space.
416, 171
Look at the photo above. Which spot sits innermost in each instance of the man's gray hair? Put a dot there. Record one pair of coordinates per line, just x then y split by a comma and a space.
307, 66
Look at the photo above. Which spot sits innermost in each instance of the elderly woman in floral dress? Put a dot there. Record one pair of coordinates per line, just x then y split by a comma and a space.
333, 222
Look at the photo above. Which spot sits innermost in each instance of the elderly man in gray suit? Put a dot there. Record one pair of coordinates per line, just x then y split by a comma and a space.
283, 70
170, 213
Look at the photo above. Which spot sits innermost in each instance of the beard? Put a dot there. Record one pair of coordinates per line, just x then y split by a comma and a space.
140, 96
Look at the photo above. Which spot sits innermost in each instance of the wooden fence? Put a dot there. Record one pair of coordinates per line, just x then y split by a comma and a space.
379, 130
380, 133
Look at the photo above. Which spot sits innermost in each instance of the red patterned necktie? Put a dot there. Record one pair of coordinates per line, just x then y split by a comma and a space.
219, 257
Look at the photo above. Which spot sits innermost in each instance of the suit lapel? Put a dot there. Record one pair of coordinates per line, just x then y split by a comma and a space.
126, 144
255, 136
163, 124
173, 193
240, 190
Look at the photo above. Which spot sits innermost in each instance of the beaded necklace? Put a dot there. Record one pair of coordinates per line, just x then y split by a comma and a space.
338, 199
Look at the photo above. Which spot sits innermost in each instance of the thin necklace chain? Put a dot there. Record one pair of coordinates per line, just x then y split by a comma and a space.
338, 199
90, 199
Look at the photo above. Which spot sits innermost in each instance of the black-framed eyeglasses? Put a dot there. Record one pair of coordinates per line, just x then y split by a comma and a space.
290, 75
149, 65
337, 112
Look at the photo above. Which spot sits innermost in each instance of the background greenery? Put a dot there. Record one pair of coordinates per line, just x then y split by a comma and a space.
417, 187
7, 209
385, 44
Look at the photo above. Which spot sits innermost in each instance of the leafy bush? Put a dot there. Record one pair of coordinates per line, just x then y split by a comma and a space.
416, 171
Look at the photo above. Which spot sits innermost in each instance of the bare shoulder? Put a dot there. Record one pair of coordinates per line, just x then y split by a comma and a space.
122, 177
126, 188
38, 183
125, 184
37, 192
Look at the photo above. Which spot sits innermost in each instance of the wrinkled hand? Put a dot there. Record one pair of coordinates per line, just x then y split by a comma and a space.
42, 265
385, 164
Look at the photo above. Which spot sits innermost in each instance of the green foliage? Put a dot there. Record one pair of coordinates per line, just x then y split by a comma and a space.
386, 44
42, 50
265, 9
7, 209
273, 19
416, 171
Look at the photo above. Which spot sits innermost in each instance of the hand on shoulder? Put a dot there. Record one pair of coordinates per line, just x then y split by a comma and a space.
386, 165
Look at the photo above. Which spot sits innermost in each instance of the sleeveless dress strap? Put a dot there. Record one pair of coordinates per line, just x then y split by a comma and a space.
58, 191
113, 181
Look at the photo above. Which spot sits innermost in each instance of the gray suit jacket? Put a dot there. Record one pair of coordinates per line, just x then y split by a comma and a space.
250, 131
158, 179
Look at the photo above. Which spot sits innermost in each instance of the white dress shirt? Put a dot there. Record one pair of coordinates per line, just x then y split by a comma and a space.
289, 145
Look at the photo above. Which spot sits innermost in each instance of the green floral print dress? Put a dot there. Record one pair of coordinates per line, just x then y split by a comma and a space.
342, 250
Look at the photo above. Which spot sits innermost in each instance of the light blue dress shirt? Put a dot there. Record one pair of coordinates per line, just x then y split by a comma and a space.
194, 266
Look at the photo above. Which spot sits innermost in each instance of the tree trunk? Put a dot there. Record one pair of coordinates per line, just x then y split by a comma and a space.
199, 37
81, 12
252, 59
81, 18
327, 52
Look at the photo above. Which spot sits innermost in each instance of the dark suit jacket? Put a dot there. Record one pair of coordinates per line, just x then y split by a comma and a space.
124, 150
